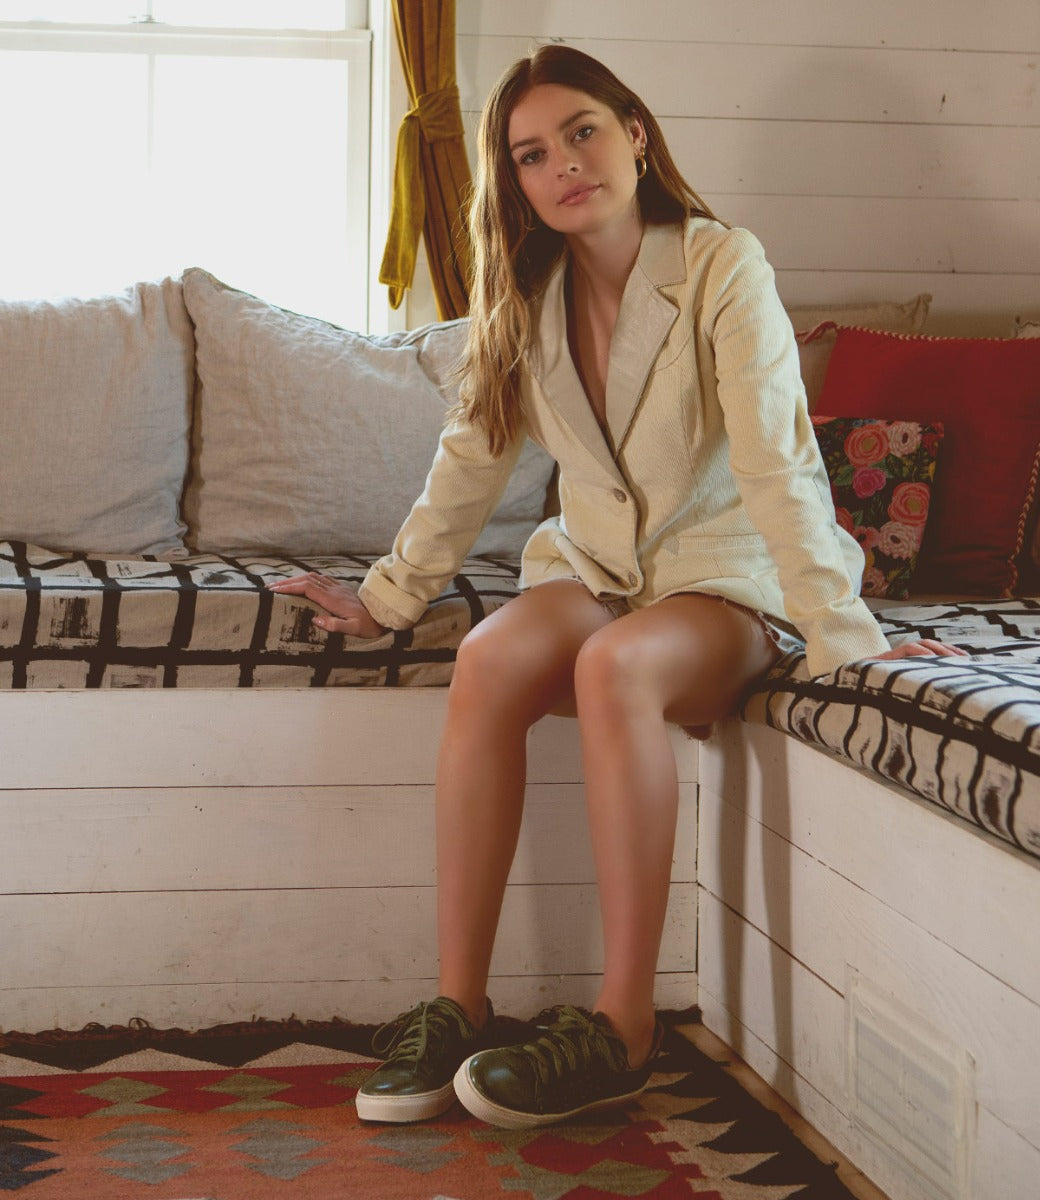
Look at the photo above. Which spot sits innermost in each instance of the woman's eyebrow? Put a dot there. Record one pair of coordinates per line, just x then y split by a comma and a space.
582, 112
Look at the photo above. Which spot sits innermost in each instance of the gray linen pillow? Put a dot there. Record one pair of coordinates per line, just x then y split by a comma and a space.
310, 439
95, 403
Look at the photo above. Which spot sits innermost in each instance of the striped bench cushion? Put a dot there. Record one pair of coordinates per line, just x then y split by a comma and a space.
963, 733
68, 621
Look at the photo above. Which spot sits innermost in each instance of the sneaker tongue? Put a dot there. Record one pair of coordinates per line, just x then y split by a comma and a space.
604, 1022
615, 1040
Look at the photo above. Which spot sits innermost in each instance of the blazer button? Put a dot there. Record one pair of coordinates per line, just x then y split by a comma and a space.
633, 579
620, 496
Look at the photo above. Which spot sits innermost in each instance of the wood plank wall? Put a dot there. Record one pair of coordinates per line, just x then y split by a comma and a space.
878, 150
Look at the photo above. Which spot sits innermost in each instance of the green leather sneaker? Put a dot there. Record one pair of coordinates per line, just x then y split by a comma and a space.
577, 1064
423, 1049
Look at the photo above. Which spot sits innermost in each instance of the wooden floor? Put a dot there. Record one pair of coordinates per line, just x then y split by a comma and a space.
853, 1179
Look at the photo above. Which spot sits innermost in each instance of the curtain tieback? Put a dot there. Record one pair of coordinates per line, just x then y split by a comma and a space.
439, 115
437, 118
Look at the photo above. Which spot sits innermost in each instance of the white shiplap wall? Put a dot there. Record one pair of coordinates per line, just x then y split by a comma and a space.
878, 150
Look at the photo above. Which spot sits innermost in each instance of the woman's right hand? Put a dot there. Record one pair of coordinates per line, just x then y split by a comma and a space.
344, 612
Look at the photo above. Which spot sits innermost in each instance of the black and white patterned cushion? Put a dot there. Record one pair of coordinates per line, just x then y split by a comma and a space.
961, 732
964, 733
67, 621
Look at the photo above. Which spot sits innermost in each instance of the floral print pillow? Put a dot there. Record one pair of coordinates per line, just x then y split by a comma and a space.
881, 476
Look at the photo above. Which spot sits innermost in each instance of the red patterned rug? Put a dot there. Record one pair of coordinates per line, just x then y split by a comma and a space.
265, 1111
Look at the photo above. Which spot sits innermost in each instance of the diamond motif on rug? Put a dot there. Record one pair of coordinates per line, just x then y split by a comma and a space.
269, 1122
123, 1096
280, 1149
610, 1159
418, 1148
20, 1159
252, 1092
146, 1152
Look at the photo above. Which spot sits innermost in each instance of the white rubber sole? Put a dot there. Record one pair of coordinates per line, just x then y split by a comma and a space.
402, 1110
488, 1111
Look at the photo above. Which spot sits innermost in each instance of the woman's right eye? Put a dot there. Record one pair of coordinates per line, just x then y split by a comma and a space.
528, 159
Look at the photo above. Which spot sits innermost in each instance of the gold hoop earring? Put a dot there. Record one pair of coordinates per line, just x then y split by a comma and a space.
640, 166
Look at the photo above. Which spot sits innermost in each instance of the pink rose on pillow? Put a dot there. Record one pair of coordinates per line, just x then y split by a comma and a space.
904, 437
909, 503
899, 540
867, 536
874, 583
881, 475
867, 444
867, 481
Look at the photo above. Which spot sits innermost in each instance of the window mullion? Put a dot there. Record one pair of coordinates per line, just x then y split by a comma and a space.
150, 148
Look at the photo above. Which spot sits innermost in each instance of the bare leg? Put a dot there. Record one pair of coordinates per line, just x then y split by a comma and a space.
516, 665
685, 660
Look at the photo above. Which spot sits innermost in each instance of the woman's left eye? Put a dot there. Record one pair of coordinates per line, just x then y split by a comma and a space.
582, 134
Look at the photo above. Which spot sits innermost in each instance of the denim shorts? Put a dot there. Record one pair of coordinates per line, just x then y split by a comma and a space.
784, 635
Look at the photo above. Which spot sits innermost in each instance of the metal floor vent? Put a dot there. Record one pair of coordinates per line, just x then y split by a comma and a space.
911, 1090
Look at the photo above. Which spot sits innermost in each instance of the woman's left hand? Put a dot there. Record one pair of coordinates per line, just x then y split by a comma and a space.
924, 648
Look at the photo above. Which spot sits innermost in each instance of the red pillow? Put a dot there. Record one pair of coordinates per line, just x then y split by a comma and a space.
986, 393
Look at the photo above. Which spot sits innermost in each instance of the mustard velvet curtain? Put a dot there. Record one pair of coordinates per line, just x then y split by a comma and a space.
431, 171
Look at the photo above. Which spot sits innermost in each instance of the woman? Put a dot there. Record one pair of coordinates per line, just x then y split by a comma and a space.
642, 343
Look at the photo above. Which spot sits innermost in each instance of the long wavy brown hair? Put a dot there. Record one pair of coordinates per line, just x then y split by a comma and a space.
514, 252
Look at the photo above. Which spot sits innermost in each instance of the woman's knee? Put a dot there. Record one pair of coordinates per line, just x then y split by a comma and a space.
677, 659
613, 670
484, 658
499, 669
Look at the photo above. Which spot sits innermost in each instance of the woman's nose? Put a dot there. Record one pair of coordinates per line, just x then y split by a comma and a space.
564, 163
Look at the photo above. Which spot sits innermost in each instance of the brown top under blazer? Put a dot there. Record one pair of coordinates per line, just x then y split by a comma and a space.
708, 479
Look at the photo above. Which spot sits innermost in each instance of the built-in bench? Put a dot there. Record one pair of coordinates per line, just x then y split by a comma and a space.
869, 883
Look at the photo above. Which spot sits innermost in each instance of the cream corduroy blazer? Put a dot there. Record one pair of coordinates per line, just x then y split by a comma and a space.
707, 479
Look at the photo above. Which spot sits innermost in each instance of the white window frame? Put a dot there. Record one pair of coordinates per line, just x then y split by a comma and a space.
369, 89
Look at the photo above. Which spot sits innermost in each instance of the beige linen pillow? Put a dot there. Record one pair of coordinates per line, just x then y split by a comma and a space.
888, 315
95, 404
814, 350
311, 439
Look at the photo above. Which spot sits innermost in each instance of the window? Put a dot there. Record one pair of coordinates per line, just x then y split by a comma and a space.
189, 133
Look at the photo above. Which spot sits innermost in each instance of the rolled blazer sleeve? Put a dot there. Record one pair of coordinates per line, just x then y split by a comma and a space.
776, 462
462, 491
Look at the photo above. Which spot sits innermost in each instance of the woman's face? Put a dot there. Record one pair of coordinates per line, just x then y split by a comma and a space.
574, 160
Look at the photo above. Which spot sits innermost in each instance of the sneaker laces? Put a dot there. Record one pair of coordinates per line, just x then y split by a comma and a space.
575, 1042
409, 1035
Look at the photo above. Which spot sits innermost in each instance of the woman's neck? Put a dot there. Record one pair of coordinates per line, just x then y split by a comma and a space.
605, 259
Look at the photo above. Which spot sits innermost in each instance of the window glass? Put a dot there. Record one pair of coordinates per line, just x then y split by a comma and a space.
263, 14
71, 198
83, 11
264, 201
134, 157
242, 14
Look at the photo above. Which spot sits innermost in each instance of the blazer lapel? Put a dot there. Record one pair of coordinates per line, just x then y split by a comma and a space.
644, 321
553, 366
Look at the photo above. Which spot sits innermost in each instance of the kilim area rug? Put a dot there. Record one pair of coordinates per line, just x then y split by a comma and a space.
265, 1112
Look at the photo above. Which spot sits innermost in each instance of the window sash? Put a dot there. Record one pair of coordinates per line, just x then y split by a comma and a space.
351, 14
155, 40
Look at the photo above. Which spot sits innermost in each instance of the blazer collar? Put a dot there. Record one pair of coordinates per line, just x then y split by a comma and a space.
644, 321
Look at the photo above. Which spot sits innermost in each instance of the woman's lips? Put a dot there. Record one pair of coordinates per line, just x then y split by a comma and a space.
579, 195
